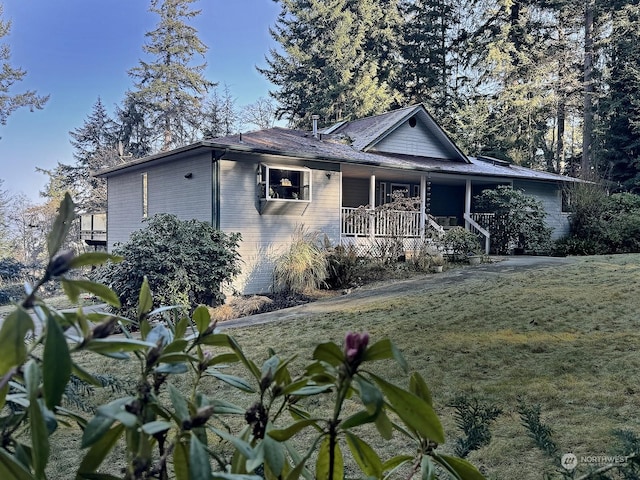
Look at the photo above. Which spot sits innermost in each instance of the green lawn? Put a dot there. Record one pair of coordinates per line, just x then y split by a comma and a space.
564, 337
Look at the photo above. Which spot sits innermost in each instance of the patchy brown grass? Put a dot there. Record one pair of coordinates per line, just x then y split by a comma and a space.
565, 337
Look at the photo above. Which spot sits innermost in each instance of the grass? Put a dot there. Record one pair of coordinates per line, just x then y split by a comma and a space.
564, 337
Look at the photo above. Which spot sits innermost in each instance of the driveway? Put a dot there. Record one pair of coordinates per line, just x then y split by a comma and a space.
397, 288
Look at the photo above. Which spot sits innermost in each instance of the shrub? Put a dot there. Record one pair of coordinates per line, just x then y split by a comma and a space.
163, 432
11, 270
11, 293
342, 266
303, 266
602, 223
458, 243
187, 262
519, 221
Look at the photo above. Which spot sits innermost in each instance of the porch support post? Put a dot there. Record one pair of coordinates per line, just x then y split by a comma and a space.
423, 205
467, 204
372, 205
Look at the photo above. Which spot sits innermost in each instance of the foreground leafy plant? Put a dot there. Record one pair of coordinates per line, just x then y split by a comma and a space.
167, 433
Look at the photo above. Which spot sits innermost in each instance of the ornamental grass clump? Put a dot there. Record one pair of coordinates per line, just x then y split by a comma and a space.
303, 266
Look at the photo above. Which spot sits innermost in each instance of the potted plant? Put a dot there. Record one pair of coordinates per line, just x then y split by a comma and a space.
437, 262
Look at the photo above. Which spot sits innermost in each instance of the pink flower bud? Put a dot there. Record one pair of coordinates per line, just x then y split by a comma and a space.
355, 345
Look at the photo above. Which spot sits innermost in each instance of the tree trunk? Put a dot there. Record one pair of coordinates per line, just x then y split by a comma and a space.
587, 132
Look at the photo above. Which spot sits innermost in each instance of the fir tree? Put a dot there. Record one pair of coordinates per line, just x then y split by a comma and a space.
618, 151
170, 87
8, 77
336, 59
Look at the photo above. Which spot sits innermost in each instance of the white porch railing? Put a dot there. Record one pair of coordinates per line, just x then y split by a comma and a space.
359, 222
478, 223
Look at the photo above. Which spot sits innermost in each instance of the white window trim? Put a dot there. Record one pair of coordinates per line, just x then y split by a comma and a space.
265, 189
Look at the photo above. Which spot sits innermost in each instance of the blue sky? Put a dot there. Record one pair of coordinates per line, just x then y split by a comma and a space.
79, 50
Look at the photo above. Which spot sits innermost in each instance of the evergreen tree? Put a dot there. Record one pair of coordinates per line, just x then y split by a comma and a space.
618, 149
170, 88
220, 116
426, 72
337, 59
8, 77
95, 146
134, 134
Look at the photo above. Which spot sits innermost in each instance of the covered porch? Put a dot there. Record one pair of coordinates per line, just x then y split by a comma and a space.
442, 202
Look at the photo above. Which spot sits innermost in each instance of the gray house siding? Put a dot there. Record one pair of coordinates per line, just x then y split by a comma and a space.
409, 140
168, 191
550, 195
265, 235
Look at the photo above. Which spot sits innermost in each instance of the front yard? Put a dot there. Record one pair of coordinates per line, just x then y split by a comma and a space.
564, 337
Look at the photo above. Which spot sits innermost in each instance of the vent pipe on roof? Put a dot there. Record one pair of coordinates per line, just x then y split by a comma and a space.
315, 125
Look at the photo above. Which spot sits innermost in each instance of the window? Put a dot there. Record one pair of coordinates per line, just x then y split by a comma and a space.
145, 196
399, 190
285, 183
383, 193
566, 200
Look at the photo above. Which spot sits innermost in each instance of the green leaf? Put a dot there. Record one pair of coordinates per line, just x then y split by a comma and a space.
201, 318
223, 358
178, 345
3, 395
458, 467
244, 448
39, 437
310, 390
273, 455
85, 376
371, 397
172, 368
93, 258
323, 463
71, 290
357, 419
366, 458
384, 425
329, 352
428, 469
414, 411
114, 344
285, 434
56, 364
181, 461
100, 449
61, 225
145, 299
223, 407
395, 462
12, 334
223, 340
419, 387
101, 291
199, 466
379, 351
237, 382
179, 403
11, 469
181, 328
157, 426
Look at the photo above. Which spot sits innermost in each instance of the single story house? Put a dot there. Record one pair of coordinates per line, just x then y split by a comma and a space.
265, 184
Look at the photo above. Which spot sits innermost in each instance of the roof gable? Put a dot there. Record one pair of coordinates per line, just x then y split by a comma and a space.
407, 131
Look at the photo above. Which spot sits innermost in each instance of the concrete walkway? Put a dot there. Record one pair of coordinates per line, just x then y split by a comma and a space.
397, 288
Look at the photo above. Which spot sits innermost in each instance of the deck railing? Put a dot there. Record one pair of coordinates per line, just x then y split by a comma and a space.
359, 222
